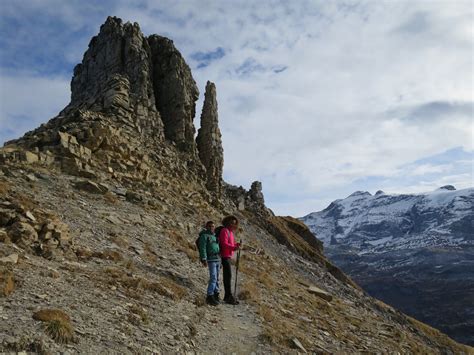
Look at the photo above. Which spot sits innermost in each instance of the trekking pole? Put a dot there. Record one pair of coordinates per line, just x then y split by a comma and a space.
237, 270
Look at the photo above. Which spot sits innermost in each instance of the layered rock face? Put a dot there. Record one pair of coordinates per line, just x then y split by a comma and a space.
114, 253
209, 141
130, 98
115, 76
251, 200
175, 90
256, 193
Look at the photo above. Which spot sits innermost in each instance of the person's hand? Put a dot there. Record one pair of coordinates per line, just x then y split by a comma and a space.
204, 262
237, 246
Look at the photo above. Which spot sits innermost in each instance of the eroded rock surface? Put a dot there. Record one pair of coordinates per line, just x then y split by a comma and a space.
175, 90
209, 142
102, 206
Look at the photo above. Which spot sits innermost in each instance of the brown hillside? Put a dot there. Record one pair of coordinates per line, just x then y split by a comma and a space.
99, 210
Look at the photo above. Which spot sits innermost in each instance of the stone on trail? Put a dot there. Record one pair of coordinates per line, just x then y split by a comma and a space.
89, 186
298, 344
11, 259
320, 293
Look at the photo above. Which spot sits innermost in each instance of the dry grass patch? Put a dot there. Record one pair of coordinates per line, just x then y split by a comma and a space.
249, 291
281, 332
119, 241
137, 313
60, 331
266, 312
4, 187
83, 253
184, 246
111, 198
7, 283
108, 254
199, 301
149, 254
135, 284
266, 279
27, 202
440, 337
57, 324
46, 315
129, 264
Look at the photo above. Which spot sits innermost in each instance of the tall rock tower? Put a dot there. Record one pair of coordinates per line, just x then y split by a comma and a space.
209, 141
175, 91
130, 96
115, 77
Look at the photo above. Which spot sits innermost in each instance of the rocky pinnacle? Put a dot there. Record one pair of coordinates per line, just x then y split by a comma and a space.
127, 74
209, 141
115, 77
175, 91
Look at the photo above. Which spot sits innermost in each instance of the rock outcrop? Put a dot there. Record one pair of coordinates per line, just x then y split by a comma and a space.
251, 200
99, 211
209, 141
131, 97
256, 194
115, 77
175, 90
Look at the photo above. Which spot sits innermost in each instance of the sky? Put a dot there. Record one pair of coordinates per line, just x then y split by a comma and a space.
316, 99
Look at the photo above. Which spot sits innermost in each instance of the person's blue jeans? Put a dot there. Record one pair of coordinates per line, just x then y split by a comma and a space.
213, 285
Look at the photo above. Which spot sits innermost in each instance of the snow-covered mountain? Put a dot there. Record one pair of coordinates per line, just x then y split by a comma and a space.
413, 251
381, 222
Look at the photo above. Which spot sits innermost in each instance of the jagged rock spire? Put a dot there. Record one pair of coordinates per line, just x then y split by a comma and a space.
175, 91
145, 79
209, 141
256, 194
115, 76
128, 94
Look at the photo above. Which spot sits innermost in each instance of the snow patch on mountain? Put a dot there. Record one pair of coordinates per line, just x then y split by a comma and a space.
373, 223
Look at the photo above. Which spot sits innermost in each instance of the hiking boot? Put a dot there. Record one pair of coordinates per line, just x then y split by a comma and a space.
216, 297
231, 300
211, 301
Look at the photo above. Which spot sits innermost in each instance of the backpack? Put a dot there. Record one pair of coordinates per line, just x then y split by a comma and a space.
217, 231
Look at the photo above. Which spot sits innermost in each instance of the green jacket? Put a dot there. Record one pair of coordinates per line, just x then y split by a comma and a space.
208, 246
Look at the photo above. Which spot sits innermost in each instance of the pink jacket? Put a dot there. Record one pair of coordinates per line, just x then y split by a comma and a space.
227, 243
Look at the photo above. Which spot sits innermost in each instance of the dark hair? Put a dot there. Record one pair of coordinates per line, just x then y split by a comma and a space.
208, 223
230, 220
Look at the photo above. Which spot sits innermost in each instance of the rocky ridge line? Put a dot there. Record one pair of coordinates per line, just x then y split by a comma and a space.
132, 196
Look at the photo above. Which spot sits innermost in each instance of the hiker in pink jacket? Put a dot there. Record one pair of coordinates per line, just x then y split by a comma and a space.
227, 247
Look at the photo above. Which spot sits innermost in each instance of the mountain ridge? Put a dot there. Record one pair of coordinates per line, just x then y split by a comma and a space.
99, 210
409, 250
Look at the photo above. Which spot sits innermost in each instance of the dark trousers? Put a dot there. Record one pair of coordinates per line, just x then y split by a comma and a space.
227, 277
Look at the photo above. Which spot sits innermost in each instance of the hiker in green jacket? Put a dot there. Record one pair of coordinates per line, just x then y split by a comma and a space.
209, 255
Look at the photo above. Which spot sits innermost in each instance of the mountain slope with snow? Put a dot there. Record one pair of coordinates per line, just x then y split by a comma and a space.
375, 223
413, 251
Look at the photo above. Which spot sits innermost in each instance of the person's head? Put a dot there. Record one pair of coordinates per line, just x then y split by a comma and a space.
230, 222
210, 226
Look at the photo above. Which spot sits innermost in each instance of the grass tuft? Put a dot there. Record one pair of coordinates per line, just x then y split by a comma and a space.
249, 291
61, 331
4, 187
57, 324
111, 198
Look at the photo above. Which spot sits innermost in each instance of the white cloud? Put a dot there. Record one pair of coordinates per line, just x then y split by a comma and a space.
338, 112
27, 100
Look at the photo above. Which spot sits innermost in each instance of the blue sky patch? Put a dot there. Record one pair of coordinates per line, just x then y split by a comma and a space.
249, 66
205, 58
279, 69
